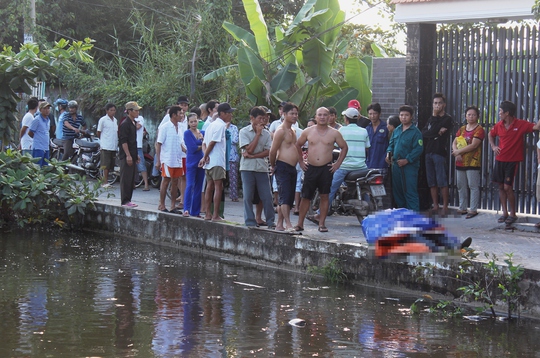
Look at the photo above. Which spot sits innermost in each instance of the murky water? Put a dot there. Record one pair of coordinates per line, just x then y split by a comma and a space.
108, 297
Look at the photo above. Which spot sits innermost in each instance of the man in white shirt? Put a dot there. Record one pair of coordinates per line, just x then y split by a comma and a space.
213, 161
25, 139
183, 103
169, 157
211, 108
107, 131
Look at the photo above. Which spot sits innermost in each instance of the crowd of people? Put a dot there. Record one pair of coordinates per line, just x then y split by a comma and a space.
282, 165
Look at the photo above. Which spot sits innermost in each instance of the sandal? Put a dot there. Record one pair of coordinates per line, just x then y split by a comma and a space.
313, 219
186, 214
298, 228
461, 212
323, 229
471, 215
510, 220
502, 219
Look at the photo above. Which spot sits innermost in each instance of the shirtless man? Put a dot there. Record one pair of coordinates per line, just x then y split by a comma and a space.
319, 169
283, 159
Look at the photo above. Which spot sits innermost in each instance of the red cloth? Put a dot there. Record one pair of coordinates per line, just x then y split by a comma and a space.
511, 139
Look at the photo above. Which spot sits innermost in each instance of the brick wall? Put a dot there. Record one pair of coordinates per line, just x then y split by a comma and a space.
388, 84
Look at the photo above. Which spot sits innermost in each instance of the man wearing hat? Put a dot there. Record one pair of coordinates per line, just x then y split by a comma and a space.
39, 131
361, 121
214, 159
127, 140
73, 125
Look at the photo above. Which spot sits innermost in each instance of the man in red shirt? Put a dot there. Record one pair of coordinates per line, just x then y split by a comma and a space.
508, 154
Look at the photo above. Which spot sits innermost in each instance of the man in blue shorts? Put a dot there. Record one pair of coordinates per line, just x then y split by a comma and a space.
283, 159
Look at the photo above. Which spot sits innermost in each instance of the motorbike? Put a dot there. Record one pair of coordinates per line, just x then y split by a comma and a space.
86, 157
361, 194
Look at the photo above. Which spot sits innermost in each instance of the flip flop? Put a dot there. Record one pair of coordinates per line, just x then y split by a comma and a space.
462, 212
312, 219
323, 229
298, 228
146, 189
176, 211
502, 219
510, 220
471, 215
164, 210
185, 214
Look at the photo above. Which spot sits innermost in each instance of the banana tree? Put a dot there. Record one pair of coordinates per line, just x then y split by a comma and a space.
300, 63
19, 71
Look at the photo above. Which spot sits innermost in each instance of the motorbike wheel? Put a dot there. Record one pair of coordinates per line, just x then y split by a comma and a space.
314, 205
155, 182
139, 180
370, 199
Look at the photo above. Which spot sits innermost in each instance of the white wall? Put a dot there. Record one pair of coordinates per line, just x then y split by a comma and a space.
463, 11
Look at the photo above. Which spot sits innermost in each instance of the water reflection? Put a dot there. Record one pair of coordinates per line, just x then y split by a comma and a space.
110, 297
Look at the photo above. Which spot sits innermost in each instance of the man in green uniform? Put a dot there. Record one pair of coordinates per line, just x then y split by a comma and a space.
403, 155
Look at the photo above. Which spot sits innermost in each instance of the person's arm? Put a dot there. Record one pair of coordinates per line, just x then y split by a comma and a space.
279, 135
342, 153
299, 144
23, 131
158, 154
491, 137
417, 149
250, 148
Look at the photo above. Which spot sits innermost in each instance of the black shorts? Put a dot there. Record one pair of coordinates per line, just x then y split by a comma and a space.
504, 172
317, 178
286, 182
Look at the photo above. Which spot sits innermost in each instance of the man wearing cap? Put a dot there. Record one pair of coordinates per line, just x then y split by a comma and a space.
107, 131
39, 131
127, 139
361, 121
213, 161
169, 156
73, 124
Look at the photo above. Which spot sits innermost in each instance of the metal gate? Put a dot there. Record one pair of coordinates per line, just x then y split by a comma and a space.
482, 67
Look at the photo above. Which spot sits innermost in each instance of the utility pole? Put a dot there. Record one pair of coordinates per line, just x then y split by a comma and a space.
29, 28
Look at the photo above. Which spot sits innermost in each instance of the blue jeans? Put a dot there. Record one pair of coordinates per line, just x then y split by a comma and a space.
42, 154
259, 181
339, 177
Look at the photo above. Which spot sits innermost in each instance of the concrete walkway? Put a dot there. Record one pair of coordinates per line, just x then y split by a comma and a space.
488, 236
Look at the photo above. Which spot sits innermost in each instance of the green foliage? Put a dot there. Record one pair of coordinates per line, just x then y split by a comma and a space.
536, 9
484, 284
444, 308
20, 70
33, 195
300, 63
331, 271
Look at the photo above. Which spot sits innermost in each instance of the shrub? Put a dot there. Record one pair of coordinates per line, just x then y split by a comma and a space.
33, 195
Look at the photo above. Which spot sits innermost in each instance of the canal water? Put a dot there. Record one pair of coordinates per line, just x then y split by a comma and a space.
90, 296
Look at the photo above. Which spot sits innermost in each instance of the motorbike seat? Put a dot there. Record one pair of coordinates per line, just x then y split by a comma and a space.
86, 144
58, 142
361, 173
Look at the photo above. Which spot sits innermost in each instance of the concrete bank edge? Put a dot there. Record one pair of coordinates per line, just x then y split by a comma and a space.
290, 252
